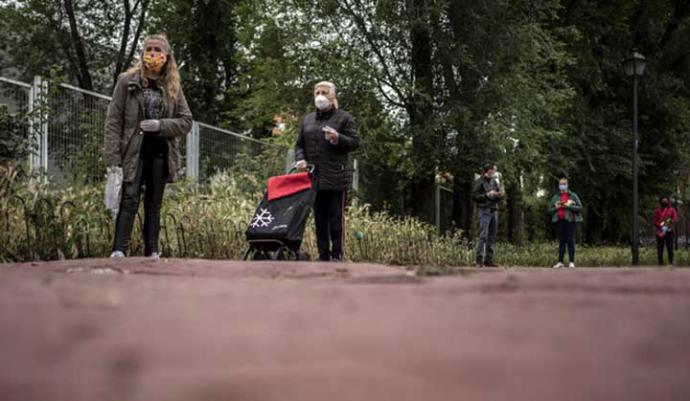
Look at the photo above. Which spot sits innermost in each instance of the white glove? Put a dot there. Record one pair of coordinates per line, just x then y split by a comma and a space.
150, 125
331, 135
301, 165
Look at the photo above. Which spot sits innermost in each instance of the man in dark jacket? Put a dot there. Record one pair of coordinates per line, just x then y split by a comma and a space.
487, 194
326, 138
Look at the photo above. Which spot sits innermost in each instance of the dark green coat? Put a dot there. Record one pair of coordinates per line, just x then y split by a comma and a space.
572, 212
123, 137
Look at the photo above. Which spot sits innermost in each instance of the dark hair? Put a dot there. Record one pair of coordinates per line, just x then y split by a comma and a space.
562, 176
487, 166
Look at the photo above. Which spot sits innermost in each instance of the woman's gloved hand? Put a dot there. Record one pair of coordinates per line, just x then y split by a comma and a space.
150, 125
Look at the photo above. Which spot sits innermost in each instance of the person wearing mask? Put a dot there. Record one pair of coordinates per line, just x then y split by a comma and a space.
565, 208
487, 193
665, 218
146, 118
326, 137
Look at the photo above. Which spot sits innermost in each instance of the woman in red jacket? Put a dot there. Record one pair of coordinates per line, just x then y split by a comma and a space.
665, 218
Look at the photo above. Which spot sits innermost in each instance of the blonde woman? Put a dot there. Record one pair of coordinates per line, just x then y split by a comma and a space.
326, 137
147, 116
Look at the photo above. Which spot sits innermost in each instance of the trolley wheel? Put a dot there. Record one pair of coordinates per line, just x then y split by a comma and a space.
249, 252
278, 254
260, 254
284, 253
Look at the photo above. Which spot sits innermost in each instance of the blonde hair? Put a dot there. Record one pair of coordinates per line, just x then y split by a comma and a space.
331, 88
170, 75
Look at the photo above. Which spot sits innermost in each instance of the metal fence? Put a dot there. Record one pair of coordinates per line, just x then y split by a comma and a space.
67, 123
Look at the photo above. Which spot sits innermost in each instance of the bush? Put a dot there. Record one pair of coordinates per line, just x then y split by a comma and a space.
210, 222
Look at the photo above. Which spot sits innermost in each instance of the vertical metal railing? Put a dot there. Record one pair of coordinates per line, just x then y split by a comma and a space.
66, 123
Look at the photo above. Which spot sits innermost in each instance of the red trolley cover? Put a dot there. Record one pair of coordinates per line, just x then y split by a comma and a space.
281, 186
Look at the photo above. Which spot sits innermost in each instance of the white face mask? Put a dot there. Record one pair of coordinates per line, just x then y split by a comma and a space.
321, 102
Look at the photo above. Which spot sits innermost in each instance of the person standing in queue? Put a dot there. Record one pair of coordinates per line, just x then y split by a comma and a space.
326, 137
487, 193
147, 116
565, 208
665, 218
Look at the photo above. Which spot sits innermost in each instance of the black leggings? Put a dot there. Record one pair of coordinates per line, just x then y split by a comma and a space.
565, 231
660, 242
151, 172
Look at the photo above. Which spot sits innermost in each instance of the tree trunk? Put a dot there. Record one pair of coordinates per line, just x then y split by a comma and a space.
462, 206
420, 109
119, 65
84, 76
515, 216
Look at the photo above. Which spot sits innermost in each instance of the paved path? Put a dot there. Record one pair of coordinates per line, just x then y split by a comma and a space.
233, 331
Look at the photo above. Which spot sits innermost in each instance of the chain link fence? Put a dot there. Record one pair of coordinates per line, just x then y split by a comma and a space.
66, 124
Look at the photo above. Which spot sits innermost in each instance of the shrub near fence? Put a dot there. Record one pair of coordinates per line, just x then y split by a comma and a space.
210, 223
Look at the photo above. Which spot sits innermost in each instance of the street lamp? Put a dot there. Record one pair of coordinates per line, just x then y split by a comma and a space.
634, 67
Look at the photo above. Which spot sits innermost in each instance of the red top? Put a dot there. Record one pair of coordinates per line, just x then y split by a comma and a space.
661, 215
561, 210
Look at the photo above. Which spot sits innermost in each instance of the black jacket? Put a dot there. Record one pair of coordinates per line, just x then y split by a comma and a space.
482, 187
333, 172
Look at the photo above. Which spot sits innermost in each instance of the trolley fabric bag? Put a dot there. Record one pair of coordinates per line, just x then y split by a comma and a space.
282, 213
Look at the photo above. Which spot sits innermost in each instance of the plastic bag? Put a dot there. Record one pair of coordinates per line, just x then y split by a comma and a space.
113, 188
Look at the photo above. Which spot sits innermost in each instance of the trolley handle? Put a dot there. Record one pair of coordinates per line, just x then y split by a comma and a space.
310, 169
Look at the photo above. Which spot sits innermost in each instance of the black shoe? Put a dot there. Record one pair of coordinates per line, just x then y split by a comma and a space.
490, 264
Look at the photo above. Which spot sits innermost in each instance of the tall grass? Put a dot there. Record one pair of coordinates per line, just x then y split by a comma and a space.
210, 223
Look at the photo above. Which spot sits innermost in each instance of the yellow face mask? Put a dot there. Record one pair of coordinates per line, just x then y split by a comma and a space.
154, 59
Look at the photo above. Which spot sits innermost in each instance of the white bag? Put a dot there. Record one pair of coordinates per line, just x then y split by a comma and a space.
113, 188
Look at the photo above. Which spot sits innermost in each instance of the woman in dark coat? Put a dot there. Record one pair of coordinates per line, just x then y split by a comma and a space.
326, 138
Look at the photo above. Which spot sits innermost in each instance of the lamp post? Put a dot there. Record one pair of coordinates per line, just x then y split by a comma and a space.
634, 67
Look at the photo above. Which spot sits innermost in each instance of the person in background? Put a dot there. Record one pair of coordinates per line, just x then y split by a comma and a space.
665, 218
326, 137
565, 208
146, 117
487, 193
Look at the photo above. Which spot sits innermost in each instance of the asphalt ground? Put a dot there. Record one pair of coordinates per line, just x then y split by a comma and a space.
132, 329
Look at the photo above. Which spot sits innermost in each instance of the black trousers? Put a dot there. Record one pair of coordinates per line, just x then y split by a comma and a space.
566, 238
666, 240
151, 173
329, 217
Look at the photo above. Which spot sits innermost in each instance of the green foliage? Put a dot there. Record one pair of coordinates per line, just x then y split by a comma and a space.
534, 86
15, 142
210, 223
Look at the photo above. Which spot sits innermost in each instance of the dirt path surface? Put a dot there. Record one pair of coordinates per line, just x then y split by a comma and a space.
232, 331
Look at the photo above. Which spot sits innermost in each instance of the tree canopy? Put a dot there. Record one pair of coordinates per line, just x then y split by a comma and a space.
535, 86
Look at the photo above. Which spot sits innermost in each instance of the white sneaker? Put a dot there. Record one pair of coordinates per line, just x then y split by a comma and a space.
117, 254
155, 256
558, 265
571, 265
